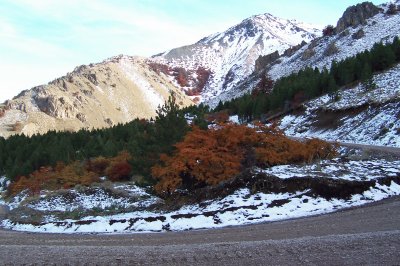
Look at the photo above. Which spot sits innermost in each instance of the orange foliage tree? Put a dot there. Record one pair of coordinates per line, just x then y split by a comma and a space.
208, 157
76, 173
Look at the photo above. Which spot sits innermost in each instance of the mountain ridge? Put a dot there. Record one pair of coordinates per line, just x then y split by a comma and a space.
322, 51
117, 90
230, 55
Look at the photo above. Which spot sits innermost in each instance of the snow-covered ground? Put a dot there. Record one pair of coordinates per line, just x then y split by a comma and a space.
240, 208
94, 198
338, 169
362, 115
120, 196
4, 182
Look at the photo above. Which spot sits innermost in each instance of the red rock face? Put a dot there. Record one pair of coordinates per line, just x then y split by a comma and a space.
192, 81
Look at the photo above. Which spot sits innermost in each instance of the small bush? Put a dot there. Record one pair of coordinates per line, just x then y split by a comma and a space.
328, 30
392, 10
383, 131
76, 174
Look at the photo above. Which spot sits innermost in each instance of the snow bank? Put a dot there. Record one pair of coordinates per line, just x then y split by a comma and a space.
240, 208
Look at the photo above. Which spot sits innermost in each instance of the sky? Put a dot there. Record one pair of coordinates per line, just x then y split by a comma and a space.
41, 40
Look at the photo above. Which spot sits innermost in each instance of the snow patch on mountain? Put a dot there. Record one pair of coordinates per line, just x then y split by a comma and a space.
150, 94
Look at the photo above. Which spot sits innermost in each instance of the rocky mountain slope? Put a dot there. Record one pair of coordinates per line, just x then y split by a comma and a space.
359, 28
356, 115
228, 57
117, 90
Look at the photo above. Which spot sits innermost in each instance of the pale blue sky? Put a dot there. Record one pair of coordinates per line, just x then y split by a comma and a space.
43, 39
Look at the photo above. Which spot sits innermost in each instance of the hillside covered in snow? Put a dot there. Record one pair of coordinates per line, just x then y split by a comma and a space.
351, 40
358, 114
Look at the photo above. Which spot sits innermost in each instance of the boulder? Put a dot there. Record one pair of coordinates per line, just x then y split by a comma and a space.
266, 60
331, 49
359, 34
307, 54
357, 15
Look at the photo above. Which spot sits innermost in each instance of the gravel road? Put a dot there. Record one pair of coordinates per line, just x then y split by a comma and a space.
369, 235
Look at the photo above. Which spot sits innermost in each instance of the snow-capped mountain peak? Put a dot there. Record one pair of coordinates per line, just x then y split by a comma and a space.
230, 56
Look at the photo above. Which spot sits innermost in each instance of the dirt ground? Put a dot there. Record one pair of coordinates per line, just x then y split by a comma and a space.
369, 235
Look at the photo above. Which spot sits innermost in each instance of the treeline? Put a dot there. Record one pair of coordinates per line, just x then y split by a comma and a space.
290, 91
144, 140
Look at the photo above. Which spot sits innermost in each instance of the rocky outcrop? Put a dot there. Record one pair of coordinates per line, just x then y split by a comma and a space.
58, 107
290, 51
359, 34
307, 54
357, 15
115, 91
331, 49
263, 61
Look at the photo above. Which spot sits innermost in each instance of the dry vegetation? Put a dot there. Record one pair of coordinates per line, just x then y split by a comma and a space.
203, 158
209, 157
77, 173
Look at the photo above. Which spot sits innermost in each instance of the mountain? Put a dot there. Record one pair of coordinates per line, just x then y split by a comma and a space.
219, 67
123, 88
367, 112
114, 91
222, 60
360, 27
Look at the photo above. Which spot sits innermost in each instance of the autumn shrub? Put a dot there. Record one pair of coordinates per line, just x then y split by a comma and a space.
98, 165
182, 76
119, 171
209, 157
119, 168
218, 117
83, 173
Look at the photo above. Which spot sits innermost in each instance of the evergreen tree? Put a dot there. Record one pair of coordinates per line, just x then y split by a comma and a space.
396, 48
382, 57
